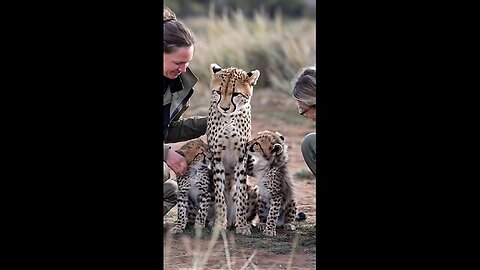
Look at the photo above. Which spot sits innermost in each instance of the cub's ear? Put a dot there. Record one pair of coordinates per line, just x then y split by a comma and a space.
180, 152
253, 77
280, 135
214, 68
277, 149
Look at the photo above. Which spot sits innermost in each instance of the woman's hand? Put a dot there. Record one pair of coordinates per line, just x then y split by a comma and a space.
176, 162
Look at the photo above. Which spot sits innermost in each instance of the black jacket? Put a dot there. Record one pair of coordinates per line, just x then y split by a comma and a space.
177, 94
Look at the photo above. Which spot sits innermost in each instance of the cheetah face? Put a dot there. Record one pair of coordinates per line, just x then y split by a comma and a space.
195, 152
266, 146
232, 88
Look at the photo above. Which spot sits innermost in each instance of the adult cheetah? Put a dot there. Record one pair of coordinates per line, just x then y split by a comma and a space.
228, 131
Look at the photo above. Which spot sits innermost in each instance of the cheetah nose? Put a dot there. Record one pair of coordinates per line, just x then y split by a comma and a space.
225, 109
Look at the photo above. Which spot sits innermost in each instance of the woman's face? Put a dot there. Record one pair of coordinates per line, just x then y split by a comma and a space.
307, 111
176, 62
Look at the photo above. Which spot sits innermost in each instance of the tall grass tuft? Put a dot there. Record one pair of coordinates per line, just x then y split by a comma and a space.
278, 47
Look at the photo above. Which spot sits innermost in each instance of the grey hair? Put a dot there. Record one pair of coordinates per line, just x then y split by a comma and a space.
304, 86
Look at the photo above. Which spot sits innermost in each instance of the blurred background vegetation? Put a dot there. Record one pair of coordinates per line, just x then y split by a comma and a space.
291, 9
277, 37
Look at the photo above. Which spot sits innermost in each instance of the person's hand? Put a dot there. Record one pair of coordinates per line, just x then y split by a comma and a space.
176, 162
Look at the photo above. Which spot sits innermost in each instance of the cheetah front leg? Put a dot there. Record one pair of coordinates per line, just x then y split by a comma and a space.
253, 202
182, 205
273, 213
204, 202
290, 213
262, 214
219, 189
241, 198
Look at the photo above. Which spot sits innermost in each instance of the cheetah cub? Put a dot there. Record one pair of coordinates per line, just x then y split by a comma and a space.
268, 154
194, 188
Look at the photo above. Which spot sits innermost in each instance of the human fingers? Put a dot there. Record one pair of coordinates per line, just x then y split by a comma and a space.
180, 167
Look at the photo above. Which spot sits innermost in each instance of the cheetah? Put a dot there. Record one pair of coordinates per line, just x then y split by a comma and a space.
228, 131
195, 187
268, 159
253, 202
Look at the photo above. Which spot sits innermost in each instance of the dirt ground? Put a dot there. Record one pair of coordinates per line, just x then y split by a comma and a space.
275, 111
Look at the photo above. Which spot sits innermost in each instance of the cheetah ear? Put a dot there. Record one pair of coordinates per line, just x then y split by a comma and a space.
277, 149
280, 135
214, 68
180, 152
253, 77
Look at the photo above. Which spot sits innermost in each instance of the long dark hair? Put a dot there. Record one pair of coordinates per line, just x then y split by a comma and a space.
175, 33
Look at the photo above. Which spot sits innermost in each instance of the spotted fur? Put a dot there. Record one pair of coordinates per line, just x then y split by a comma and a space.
228, 131
268, 164
253, 200
194, 188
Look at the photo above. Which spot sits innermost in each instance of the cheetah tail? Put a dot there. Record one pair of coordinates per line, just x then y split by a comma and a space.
300, 216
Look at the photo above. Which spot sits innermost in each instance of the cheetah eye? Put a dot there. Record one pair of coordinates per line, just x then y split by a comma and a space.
216, 91
235, 94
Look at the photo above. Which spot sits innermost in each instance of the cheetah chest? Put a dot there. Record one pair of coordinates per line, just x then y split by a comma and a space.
270, 183
230, 137
196, 177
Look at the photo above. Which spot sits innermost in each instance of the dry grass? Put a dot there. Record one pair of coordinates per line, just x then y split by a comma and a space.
278, 48
214, 249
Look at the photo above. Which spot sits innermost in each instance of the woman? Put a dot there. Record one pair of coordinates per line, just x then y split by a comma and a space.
304, 92
178, 47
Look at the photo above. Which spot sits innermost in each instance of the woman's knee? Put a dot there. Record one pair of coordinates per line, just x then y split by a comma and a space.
308, 143
170, 187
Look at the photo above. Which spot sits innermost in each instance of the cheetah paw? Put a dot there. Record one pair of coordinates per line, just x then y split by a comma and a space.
290, 227
198, 226
221, 226
244, 230
270, 232
176, 230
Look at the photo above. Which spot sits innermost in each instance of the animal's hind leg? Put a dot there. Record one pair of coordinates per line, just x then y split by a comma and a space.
290, 213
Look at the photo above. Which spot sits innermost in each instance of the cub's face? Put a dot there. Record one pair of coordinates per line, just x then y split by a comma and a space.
231, 88
266, 145
195, 152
